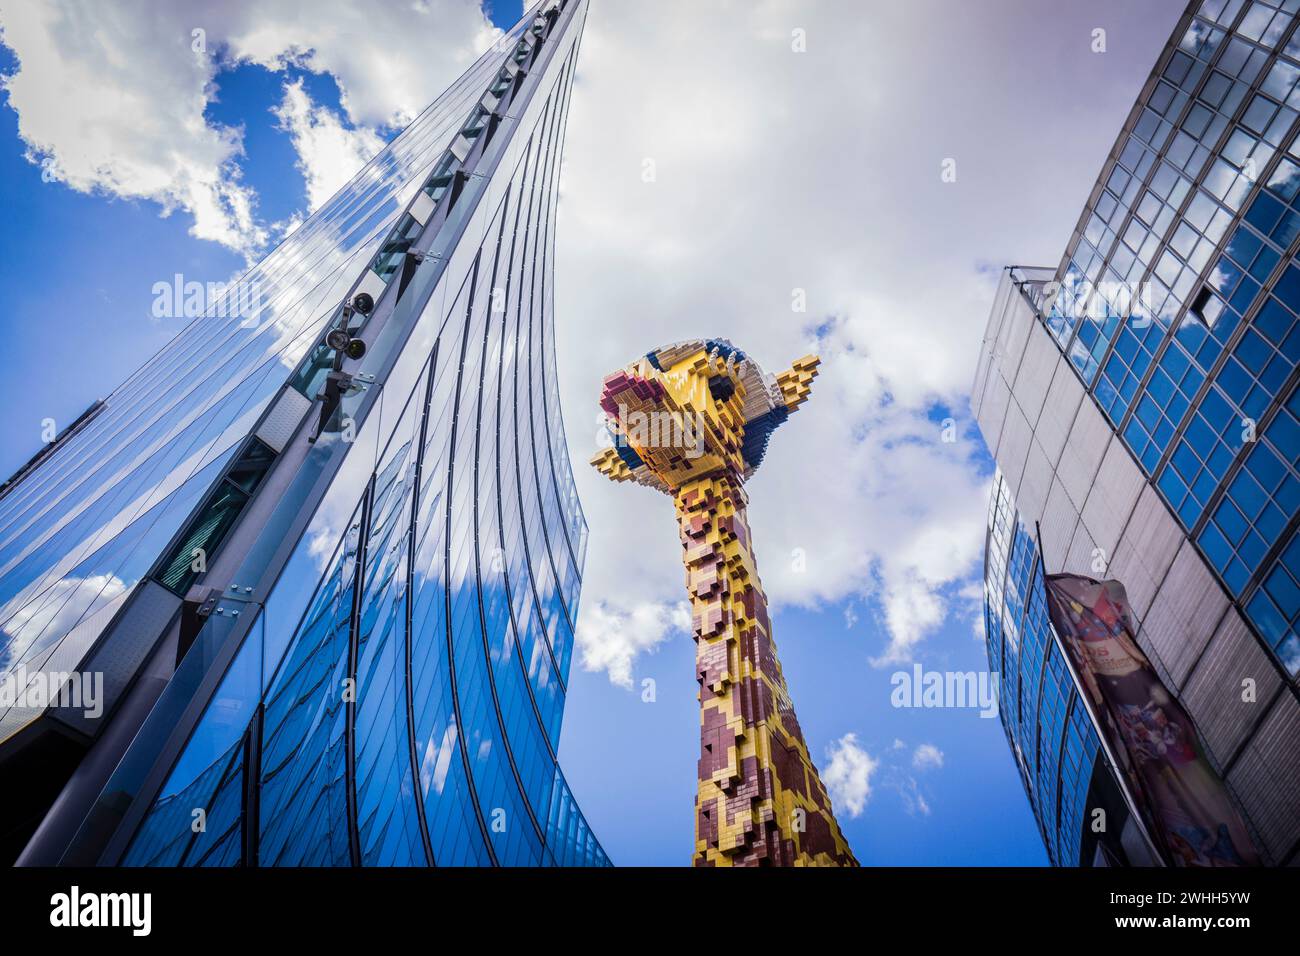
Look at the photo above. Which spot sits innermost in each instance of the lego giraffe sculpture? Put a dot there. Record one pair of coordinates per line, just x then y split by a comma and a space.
693, 420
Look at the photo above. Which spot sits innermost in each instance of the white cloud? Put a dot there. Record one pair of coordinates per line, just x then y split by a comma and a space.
114, 104
820, 171
847, 775
744, 210
610, 639
850, 617
850, 768
914, 801
329, 154
389, 63
927, 756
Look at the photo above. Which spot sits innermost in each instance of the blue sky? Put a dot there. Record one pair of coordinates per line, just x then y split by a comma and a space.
898, 269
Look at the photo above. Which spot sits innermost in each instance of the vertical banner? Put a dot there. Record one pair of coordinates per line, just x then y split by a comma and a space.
1185, 802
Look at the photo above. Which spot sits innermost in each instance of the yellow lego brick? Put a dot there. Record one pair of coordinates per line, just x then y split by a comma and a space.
757, 784
611, 466
796, 382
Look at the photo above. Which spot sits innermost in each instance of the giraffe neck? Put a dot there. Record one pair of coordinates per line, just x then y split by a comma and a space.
760, 800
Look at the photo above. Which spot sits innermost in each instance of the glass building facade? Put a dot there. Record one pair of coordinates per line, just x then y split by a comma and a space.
327, 552
1049, 730
1142, 398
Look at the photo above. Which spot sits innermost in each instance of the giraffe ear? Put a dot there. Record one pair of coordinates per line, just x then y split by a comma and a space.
796, 381
609, 464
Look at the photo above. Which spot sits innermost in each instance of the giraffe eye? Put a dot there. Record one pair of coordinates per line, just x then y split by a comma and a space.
721, 387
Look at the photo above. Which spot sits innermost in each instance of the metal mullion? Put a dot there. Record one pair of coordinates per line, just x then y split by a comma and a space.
478, 577
446, 576
566, 81
251, 796
497, 486
543, 228
426, 841
519, 485
350, 706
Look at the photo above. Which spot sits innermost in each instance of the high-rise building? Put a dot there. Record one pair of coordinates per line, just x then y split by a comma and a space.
693, 420
322, 555
1141, 401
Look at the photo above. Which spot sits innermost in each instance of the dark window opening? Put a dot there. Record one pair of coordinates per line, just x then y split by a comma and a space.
208, 527
1207, 307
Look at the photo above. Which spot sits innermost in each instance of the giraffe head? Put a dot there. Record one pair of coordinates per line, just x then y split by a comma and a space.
694, 409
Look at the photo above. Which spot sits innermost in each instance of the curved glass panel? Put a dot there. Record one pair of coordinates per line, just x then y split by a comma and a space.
398, 699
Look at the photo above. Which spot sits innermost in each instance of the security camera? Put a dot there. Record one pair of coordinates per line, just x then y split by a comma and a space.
363, 302
344, 344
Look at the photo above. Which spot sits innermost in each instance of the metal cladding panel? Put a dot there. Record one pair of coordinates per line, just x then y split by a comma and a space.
1186, 611
1059, 410
1084, 449
1034, 375
1114, 492
283, 419
146, 616
1263, 777
1231, 688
